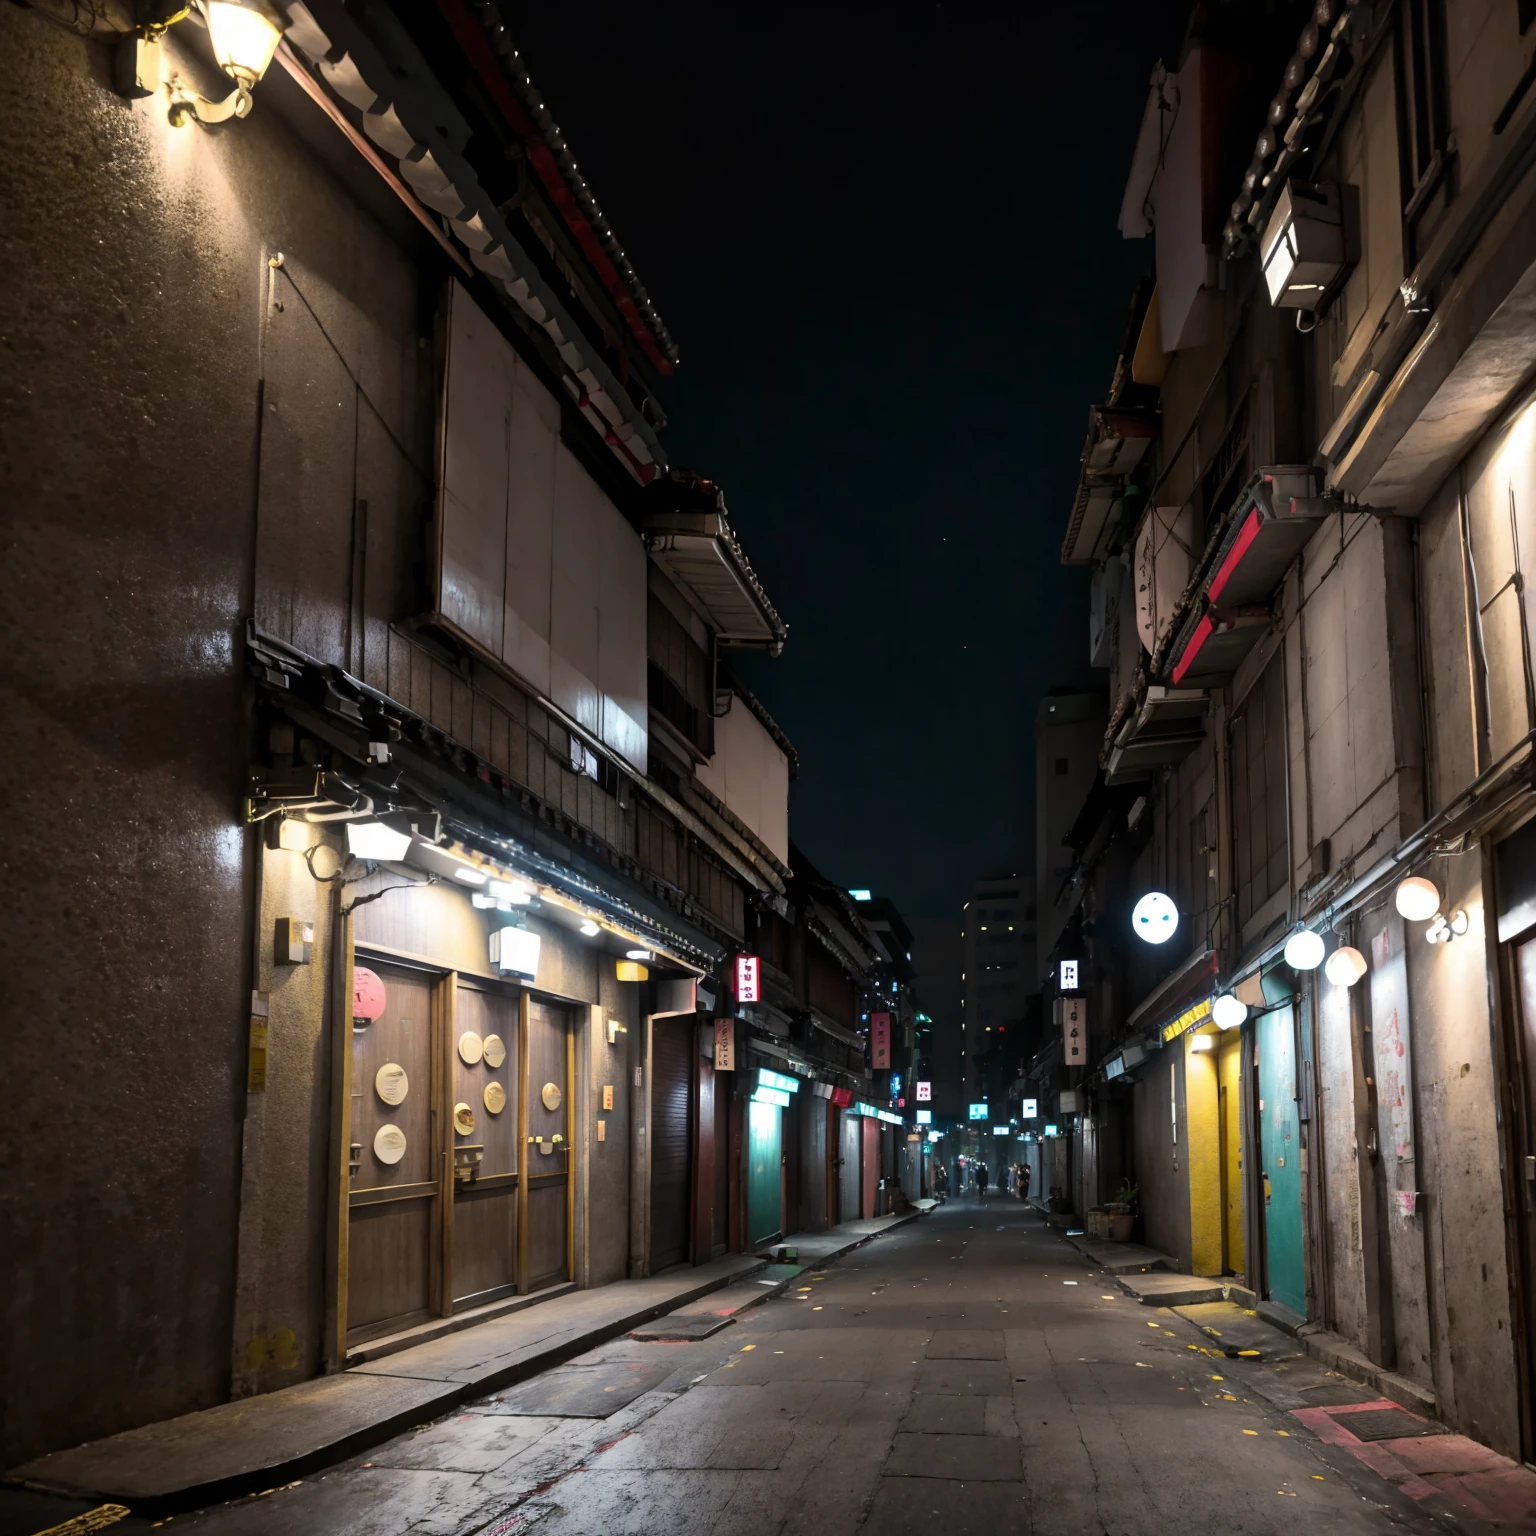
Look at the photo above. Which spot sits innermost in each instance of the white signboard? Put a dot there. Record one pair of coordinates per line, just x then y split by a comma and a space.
1069, 975
1072, 1015
1029, 1109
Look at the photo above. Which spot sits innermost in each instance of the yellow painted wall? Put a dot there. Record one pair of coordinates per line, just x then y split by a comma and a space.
1204, 1152
1229, 1072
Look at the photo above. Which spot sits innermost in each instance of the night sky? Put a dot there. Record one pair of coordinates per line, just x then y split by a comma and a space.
884, 239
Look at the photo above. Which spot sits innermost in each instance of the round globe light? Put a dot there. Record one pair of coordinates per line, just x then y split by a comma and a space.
1346, 965
1228, 1011
1155, 918
1304, 950
1418, 899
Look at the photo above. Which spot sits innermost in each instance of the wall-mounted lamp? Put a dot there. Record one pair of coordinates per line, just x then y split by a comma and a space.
244, 35
1202, 1042
1346, 965
589, 928
377, 841
1417, 899
615, 1029
631, 970
1228, 1011
1443, 929
1304, 950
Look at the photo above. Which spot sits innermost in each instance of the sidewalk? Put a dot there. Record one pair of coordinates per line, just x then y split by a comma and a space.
815, 1249
259, 1442
1383, 1421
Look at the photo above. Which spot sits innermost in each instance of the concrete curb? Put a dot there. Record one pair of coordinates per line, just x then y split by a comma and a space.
1338, 1354
324, 1425
832, 1255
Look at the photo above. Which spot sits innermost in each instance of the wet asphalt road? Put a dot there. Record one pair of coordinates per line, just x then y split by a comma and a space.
968, 1375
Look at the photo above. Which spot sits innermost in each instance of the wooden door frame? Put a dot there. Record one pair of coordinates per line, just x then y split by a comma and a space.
524, 1167
443, 984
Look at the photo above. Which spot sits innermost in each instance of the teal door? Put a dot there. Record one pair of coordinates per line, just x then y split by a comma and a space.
1280, 1153
764, 1218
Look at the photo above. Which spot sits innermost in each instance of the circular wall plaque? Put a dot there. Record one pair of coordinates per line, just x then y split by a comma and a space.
368, 995
470, 1048
389, 1144
390, 1083
495, 1097
551, 1096
495, 1051
463, 1119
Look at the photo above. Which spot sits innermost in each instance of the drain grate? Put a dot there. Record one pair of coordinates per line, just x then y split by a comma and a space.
1385, 1424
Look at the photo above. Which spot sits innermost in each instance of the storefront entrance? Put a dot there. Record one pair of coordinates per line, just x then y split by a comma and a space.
1280, 1160
448, 1079
764, 1175
673, 1053
848, 1170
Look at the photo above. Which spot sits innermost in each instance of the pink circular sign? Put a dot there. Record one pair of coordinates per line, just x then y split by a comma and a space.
367, 994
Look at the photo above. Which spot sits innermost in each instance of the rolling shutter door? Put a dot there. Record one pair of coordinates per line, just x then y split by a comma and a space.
671, 1140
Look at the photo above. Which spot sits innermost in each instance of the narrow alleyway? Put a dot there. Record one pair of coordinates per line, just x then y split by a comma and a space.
970, 1373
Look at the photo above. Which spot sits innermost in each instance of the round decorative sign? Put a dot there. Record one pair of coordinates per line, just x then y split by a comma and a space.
495, 1097
389, 1144
551, 1096
470, 1048
1155, 918
367, 995
390, 1083
463, 1119
495, 1051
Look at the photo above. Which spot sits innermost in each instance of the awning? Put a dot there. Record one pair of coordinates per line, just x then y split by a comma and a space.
1195, 974
1118, 440
699, 551
1167, 727
1278, 511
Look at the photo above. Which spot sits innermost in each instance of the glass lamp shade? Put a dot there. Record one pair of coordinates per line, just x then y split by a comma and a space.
1418, 899
374, 840
1346, 965
1304, 950
1228, 1011
245, 35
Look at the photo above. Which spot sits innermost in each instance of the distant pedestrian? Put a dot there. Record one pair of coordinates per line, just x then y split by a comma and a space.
1023, 1181
981, 1179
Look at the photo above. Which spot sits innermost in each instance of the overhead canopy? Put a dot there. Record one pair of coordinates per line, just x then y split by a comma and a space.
1118, 440
1274, 517
699, 551
1167, 727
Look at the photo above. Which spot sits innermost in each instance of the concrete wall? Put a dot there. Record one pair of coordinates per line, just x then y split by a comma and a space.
1162, 1160
130, 436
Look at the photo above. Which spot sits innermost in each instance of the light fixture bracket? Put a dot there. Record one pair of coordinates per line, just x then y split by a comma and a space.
187, 104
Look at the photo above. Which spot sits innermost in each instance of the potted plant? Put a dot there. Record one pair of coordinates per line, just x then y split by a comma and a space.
1122, 1212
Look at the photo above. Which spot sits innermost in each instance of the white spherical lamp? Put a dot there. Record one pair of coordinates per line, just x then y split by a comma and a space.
1155, 918
1304, 950
1346, 965
1228, 1011
1418, 899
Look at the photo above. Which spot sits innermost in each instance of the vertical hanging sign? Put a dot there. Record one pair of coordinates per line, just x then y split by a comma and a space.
880, 1042
725, 1045
1072, 1015
748, 979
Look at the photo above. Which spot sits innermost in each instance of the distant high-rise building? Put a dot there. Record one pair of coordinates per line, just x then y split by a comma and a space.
999, 971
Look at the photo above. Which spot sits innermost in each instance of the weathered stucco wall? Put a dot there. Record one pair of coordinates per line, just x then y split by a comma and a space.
1162, 1166
135, 315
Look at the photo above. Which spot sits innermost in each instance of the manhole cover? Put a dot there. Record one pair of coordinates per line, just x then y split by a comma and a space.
582, 1392
1331, 1396
1385, 1424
